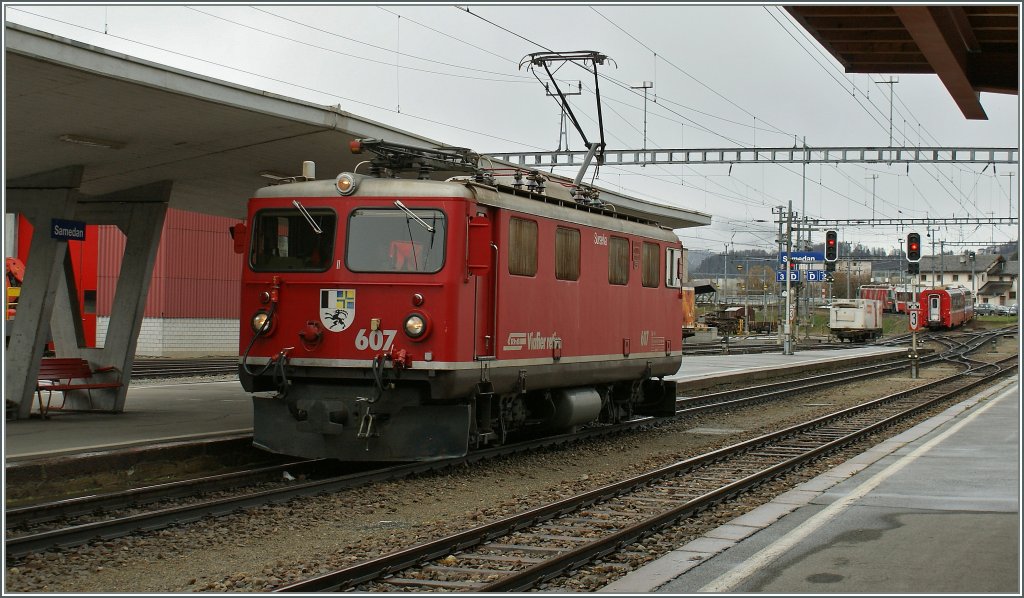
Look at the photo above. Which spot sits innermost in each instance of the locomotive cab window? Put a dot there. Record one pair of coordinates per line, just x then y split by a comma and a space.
396, 240
673, 269
286, 240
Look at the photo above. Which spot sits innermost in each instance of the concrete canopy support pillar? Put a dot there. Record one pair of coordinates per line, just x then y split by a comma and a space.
39, 198
48, 294
139, 214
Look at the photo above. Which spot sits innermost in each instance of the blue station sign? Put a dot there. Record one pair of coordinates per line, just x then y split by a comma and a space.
803, 257
67, 230
808, 275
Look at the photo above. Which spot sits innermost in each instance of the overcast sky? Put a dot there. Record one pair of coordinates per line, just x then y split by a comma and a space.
723, 76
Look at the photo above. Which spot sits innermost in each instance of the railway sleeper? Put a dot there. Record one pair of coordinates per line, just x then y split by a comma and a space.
582, 532
654, 500
445, 569
587, 521
524, 548
433, 583
498, 558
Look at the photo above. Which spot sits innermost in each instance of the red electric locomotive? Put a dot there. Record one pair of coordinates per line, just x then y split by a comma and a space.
947, 308
389, 319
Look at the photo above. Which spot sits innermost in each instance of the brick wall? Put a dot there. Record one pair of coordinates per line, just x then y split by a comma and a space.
181, 337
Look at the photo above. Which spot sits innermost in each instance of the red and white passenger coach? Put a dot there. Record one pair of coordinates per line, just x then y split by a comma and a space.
402, 319
947, 308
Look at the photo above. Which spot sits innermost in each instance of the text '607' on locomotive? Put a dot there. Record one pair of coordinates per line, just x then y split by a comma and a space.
399, 319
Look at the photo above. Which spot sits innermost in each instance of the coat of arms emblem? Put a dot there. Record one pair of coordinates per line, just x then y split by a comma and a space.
337, 308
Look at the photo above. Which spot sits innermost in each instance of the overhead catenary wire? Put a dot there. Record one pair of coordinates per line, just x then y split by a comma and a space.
507, 79
695, 79
942, 176
829, 61
629, 89
289, 83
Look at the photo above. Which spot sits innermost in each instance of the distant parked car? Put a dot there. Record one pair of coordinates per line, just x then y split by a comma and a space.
1012, 310
984, 309
1001, 310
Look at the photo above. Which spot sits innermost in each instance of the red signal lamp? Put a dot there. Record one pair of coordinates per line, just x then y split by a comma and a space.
913, 247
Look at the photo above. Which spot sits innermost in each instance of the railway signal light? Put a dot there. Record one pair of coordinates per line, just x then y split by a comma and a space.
914, 247
831, 245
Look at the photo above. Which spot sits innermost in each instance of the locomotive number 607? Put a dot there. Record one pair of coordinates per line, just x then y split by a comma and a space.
404, 295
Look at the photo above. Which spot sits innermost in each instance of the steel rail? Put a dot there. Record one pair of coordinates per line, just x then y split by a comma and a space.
569, 559
776, 390
137, 497
121, 526
159, 368
83, 533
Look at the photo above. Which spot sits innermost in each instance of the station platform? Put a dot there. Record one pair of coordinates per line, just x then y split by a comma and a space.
933, 510
701, 371
175, 411
154, 413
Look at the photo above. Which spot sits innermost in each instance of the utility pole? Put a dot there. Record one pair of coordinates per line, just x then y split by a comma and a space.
1010, 193
932, 237
746, 301
914, 357
807, 241
903, 276
873, 178
725, 275
644, 86
803, 193
785, 269
890, 83
974, 285
942, 262
787, 347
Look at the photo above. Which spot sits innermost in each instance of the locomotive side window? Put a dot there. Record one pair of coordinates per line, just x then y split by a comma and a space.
394, 240
567, 254
673, 275
651, 273
618, 260
522, 247
285, 240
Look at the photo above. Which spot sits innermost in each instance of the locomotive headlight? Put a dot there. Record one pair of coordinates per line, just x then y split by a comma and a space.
260, 322
415, 326
345, 184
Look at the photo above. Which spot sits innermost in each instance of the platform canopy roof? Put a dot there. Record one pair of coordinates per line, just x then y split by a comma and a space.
972, 48
131, 122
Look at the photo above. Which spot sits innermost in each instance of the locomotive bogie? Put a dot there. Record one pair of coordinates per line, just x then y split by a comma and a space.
411, 320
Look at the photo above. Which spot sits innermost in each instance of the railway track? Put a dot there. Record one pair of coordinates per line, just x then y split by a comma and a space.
32, 528
144, 368
520, 552
752, 348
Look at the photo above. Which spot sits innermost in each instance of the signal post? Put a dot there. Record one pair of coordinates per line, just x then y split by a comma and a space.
914, 307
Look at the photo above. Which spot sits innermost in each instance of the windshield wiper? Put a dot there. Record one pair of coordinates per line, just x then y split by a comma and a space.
419, 220
305, 213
